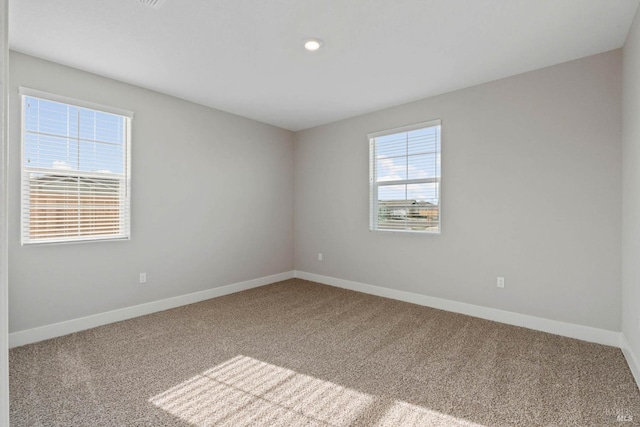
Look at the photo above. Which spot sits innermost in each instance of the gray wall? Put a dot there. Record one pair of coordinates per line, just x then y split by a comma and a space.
4, 293
212, 204
531, 191
631, 190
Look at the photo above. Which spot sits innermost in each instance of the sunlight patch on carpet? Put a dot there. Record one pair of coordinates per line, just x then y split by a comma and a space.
405, 414
247, 391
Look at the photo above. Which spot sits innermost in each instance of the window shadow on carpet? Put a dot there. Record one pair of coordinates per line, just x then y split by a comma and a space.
247, 391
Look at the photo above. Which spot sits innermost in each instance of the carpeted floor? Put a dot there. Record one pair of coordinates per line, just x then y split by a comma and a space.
300, 353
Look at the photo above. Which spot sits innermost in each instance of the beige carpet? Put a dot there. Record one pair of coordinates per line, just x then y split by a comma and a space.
300, 353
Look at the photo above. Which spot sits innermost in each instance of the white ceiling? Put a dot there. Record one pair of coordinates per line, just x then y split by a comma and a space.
246, 56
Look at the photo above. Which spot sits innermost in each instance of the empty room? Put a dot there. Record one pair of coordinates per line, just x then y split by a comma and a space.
320, 213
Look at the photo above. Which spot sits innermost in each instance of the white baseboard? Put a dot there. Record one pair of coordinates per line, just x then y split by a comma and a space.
632, 360
585, 333
67, 327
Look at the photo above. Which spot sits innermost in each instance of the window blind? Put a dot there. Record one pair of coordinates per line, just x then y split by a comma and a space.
75, 171
405, 178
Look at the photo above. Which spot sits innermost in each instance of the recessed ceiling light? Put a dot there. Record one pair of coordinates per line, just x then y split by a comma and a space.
312, 44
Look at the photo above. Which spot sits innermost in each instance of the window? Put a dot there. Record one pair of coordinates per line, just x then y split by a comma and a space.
75, 170
404, 179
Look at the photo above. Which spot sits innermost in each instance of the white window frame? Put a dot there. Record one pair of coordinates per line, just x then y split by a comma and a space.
374, 185
125, 191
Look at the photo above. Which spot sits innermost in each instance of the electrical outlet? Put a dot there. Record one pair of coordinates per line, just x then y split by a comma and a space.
143, 277
319, 257
500, 282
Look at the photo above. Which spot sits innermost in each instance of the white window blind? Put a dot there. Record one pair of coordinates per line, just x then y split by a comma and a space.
75, 170
404, 178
